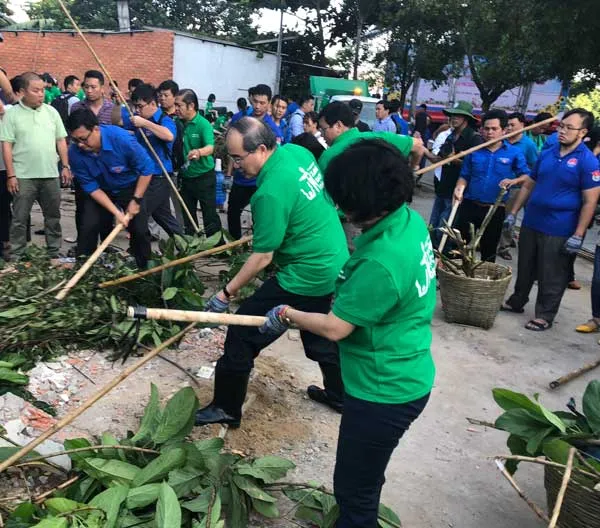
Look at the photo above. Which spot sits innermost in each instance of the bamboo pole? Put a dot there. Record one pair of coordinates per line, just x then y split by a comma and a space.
574, 374
66, 420
448, 226
162, 314
124, 101
184, 260
479, 147
563, 488
89, 262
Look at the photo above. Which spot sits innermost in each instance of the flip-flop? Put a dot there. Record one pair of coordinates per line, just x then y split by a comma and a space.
536, 326
505, 307
588, 328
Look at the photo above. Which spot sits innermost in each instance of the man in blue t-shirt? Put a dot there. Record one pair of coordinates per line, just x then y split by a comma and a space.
161, 131
482, 175
243, 188
561, 196
516, 122
114, 172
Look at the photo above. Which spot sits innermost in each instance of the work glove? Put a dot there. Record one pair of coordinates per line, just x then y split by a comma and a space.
276, 324
216, 305
573, 244
509, 222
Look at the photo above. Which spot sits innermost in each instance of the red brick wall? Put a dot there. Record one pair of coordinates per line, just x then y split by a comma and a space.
146, 55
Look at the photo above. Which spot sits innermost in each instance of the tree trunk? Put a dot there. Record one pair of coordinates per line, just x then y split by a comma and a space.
357, 39
321, 33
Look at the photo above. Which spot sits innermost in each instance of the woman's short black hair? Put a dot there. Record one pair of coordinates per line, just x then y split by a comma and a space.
309, 142
369, 179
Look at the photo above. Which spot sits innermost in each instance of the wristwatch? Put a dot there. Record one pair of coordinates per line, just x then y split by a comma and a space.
66, 167
137, 200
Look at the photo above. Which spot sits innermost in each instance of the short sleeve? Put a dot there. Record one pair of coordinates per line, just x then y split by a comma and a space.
80, 171
270, 215
520, 164
590, 175
467, 168
403, 143
207, 134
126, 118
354, 299
536, 168
7, 130
59, 127
139, 158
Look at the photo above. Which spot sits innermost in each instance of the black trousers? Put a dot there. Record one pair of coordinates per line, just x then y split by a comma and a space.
244, 343
5, 212
369, 433
239, 198
541, 257
471, 212
95, 218
158, 205
201, 190
80, 199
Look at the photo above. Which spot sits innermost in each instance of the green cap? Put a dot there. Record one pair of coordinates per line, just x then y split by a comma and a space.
460, 108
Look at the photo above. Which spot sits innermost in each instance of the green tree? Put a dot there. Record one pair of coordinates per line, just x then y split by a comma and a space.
590, 101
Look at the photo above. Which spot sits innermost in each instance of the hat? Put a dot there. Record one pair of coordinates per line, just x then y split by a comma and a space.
355, 105
463, 108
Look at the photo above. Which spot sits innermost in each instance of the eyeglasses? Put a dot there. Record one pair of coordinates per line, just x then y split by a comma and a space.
237, 160
568, 128
322, 129
82, 141
139, 106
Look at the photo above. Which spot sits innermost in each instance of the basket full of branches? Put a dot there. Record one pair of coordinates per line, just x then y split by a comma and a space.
472, 290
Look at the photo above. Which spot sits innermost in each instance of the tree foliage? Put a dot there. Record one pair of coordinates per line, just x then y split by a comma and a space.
590, 101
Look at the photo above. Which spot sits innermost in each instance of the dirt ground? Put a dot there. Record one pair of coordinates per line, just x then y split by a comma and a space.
441, 475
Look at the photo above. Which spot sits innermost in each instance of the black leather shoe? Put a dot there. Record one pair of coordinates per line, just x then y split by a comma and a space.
213, 414
320, 395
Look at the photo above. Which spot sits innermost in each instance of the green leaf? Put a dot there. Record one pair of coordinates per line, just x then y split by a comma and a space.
308, 514
210, 446
8, 451
268, 509
11, 376
151, 418
252, 489
142, 496
110, 501
522, 422
552, 418
386, 516
591, 405
331, 517
122, 472
185, 479
508, 400
160, 467
19, 311
78, 443
84, 489
200, 503
169, 293
52, 522
304, 496
177, 417
238, 509
534, 442
24, 512
109, 440
61, 505
517, 446
269, 469
215, 511
168, 511
327, 501
557, 450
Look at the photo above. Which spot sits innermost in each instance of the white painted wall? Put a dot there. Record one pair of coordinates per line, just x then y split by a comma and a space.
227, 71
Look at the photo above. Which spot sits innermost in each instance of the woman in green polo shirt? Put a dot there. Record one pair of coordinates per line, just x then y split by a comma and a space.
381, 316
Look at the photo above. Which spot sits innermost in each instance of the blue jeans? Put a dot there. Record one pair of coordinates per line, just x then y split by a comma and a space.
596, 285
439, 212
369, 433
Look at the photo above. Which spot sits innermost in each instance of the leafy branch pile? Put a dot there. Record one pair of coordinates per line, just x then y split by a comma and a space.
12, 380
536, 431
156, 478
34, 325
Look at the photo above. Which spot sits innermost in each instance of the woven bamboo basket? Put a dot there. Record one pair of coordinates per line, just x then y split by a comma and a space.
581, 505
474, 301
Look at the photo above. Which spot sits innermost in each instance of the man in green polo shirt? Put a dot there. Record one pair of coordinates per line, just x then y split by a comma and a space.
337, 124
296, 227
198, 181
32, 133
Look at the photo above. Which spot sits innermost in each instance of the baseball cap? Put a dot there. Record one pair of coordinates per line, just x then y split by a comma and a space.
355, 105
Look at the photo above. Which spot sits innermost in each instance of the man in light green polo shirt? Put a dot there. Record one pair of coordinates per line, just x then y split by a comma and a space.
337, 124
296, 227
31, 134
198, 181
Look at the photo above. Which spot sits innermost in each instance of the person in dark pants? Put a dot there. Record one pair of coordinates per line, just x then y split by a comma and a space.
114, 171
297, 227
5, 212
483, 173
198, 180
161, 132
561, 196
381, 320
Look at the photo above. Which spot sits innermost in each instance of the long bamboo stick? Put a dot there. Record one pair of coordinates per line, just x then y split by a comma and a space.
89, 262
124, 101
162, 314
183, 260
574, 374
442, 245
66, 420
479, 147
563, 488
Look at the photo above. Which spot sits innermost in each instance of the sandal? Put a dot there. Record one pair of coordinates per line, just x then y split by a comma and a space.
538, 326
505, 307
505, 254
588, 328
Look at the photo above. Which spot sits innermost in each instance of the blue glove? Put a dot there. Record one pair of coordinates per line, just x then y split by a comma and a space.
509, 222
573, 245
216, 305
275, 325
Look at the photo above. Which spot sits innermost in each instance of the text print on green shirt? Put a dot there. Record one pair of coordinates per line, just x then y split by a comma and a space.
428, 262
313, 181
